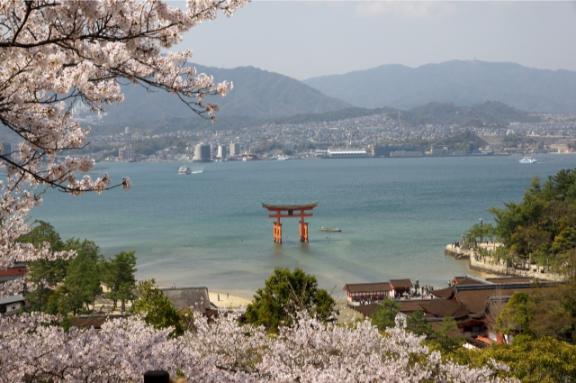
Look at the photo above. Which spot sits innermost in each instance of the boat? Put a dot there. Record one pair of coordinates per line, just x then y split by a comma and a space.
184, 170
197, 171
282, 157
527, 160
330, 229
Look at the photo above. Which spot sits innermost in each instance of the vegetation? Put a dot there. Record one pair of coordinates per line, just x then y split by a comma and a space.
119, 277
285, 294
385, 314
158, 311
541, 229
71, 286
531, 360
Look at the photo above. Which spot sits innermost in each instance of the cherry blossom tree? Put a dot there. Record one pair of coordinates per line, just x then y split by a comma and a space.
55, 54
224, 351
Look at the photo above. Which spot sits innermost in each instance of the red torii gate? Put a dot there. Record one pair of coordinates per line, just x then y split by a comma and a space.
290, 211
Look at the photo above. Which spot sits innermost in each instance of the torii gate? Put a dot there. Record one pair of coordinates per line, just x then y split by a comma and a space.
290, 211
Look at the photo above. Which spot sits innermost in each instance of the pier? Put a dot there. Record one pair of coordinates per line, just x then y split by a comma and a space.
290, 211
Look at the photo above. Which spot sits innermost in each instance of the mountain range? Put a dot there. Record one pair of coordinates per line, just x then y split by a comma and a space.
450, 92
458, 82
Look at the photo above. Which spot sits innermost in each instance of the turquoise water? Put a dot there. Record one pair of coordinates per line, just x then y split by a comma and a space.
210, 228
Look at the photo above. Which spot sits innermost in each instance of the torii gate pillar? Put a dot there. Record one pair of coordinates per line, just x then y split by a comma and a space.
290, 211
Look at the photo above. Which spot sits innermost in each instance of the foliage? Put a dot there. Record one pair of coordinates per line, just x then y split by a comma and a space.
284, 294
544, 312
224, 351
385, 315
417, 324
479, 232
446, 338
119, 277
541, 228
81, 285
531, 360
517, 315
156, 309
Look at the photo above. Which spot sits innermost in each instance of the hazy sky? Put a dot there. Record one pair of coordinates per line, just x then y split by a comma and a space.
305, 39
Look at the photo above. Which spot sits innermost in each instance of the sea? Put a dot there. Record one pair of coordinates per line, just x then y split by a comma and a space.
210, 229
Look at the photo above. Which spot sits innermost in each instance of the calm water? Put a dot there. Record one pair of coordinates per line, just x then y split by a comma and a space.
210, 229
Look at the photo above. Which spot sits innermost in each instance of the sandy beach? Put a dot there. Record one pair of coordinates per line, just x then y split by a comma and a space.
225, 300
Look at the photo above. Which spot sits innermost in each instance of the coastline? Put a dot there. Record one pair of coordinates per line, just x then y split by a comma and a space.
226, 300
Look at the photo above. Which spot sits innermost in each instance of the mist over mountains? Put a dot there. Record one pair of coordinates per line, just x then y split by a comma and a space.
458, 82
257, 95
455, 92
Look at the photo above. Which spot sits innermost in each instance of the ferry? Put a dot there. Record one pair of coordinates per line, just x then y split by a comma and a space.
184, 170
527, 160
330, 229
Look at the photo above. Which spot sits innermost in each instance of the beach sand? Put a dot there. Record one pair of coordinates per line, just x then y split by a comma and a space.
225, 300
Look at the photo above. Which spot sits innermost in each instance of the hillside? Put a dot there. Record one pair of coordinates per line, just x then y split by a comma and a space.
257, 95
458, 82
486, 113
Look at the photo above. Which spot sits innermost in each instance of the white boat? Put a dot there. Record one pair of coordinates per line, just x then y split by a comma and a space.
184, 170
197, 171
330, 229
527, 160
282, 157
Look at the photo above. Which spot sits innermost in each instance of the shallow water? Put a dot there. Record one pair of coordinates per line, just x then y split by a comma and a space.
210, 229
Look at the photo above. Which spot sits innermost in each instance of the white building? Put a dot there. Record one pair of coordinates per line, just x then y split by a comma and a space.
234, 150
202, 153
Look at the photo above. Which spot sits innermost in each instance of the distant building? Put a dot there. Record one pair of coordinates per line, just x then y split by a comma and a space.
11, 273
195, 298
202, 153
406, 153
234, 150
473, 303
221, 152
11, 304
352, 153
126, 153
365, 293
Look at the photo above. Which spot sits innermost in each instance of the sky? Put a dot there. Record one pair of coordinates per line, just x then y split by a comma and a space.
307, 39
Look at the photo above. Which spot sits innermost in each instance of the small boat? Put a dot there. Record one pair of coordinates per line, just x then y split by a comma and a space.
527, 160
184, 170
282, 157
197, 171
330, 229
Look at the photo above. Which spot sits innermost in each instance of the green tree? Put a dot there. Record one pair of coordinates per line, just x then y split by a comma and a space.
417, 323
81, 285
517, 315
286, 293
43, 232
540, 229
385, 314
119, 277
157, 310
531, 360
447, 338
479, 232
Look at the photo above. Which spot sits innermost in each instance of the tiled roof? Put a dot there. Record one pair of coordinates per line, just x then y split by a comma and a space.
401, 283
195, 298
367, 287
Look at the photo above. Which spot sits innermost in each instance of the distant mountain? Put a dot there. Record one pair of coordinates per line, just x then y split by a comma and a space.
458, 82
486, 113
341, 114
257, 95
